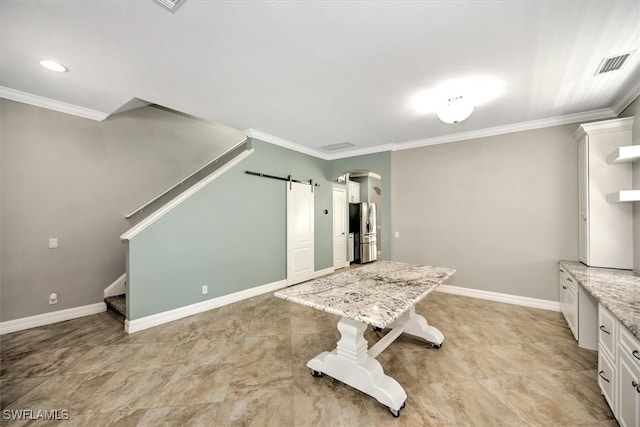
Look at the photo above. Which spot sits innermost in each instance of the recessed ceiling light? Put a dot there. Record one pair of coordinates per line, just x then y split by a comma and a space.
53, 66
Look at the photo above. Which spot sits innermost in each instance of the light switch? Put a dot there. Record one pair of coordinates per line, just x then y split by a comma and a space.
397, 234
53, 243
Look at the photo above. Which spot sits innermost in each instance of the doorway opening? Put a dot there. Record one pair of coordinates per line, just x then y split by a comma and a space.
358, 221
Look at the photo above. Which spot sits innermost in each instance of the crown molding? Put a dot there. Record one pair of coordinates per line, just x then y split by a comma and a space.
604, 113
361, 151
626, 99
624, 123
281, 142
262, 136
51, 104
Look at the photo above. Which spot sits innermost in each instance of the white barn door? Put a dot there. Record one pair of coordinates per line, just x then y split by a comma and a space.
300, 233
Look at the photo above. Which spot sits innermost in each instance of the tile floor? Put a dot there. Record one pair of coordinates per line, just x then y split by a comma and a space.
244, 364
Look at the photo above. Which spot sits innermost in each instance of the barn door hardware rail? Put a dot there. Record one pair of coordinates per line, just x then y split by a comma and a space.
281, 178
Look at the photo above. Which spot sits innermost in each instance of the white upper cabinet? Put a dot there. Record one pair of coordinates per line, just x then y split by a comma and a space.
354, 192
606, 228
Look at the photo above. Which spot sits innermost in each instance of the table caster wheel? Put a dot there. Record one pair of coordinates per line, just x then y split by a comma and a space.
316, 374
396, 413
436, 346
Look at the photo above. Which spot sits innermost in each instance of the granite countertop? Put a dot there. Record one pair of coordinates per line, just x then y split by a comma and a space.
377, 294
617, 290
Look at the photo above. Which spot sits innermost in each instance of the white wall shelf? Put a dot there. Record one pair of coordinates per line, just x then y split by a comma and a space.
627, 154
624, 196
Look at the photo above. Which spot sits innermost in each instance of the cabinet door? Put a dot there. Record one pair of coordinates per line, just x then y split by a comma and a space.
628, 392
572, 312
354, 192
583, 199
606, 379
628, 381
569, 306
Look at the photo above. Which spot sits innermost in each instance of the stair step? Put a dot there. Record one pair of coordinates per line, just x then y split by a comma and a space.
117, 305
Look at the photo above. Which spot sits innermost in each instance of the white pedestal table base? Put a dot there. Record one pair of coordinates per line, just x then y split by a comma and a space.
354, 364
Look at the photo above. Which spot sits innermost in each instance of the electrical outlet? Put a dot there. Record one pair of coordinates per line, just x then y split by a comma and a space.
53, 298
205, 289
53, 243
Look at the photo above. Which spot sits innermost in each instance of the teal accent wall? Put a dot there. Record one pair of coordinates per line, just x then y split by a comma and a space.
379, 163
230, 236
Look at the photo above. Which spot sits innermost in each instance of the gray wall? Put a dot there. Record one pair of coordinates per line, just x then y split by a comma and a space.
501, 210
75, 179
634, 110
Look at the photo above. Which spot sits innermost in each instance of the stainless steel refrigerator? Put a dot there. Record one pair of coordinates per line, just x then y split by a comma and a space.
362, 222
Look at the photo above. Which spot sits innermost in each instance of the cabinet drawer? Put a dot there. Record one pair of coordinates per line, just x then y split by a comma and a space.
567, 280
606, 377
630, 346
607, 331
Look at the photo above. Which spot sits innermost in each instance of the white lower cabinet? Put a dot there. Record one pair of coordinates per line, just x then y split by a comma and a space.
619, 369
569, 300
607, 354
580, 310
606, 378
628, 381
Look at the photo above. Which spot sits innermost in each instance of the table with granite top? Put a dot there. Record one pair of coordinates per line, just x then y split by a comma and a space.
382, 294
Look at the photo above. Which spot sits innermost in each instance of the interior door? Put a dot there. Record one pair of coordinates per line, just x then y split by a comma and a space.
339, 228
300, 233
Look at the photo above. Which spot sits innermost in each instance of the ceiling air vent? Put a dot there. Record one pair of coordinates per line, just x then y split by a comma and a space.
170, 5
613, 63
340, 146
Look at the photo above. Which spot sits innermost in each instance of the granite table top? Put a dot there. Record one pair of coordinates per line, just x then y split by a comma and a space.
617, 290
376, 294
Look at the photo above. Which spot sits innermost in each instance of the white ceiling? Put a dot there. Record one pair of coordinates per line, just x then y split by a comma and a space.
317, 73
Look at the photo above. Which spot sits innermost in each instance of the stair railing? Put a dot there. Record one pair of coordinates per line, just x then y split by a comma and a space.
238, 147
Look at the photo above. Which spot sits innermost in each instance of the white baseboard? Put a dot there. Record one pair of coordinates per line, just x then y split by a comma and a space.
506, 298
49, 318
118, 287
137, 325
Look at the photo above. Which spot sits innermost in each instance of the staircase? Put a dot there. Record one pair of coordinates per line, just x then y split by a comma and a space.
117, 306
148, 213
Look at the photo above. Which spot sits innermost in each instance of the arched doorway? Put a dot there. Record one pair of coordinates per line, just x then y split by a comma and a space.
362, 240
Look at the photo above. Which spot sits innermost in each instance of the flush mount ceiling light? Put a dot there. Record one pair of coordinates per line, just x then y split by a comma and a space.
53, 66
456, 110
469, 93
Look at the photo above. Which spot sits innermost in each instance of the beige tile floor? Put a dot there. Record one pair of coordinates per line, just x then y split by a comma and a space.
244, 364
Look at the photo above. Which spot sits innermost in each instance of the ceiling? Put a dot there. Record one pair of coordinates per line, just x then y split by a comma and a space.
317, 73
